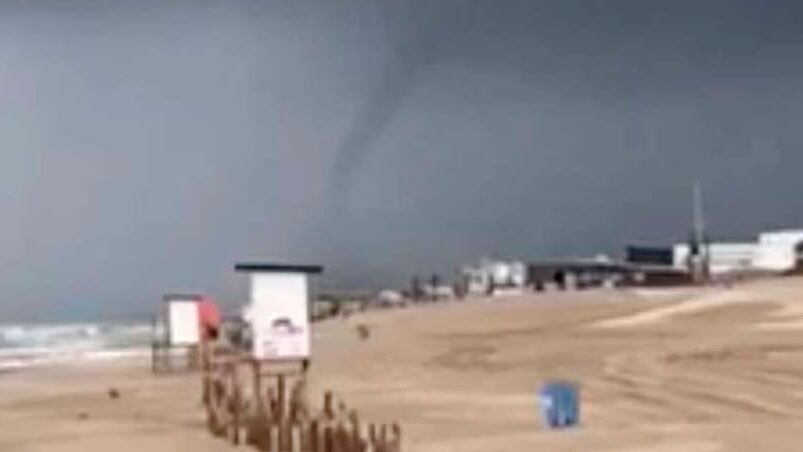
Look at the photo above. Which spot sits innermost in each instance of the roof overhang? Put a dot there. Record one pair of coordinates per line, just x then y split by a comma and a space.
182, 297
261, 267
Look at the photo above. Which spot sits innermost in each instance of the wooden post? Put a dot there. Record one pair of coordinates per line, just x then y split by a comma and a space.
282, 440
169, 358
337, 445
355, 431
327, 405
272, 408
236, 405
281, 422
328, 439
281, 398
296, 439
193, 357
396, 437
154, 349
314, 440
372, 436
305, 437
257, 382
282, 429
298, 408
205, 388
274, 438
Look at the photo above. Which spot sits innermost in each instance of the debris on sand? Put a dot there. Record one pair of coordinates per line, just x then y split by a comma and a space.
114, 393
363, 331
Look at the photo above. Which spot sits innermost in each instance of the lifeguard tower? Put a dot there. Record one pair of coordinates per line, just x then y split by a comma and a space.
279, 299
254, 389
276, 356
185, 321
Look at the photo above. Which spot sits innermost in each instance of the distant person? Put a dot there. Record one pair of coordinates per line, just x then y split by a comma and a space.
415, 289
435, 283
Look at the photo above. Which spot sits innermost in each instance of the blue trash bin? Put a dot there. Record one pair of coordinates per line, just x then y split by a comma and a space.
560, 405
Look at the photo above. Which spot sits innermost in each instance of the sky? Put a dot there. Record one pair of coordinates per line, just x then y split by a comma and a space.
147, 146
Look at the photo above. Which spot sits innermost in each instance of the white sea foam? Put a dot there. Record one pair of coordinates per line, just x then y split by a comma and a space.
26, 345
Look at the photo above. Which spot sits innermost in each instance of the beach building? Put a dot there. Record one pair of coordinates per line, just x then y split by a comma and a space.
723, 257
780, 251
184, 322
773, 252
389, 297
495, 277
586, 273
570, 274
650, 255
279, 309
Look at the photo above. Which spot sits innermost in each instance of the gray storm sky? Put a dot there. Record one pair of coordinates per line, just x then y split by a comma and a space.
145, 146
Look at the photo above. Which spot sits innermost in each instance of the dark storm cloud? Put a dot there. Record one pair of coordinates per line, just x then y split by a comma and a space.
563, 127
148, 145
596, 49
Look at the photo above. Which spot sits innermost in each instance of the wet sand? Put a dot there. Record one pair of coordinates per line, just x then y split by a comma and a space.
686, 370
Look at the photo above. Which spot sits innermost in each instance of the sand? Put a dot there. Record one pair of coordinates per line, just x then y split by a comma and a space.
710, 370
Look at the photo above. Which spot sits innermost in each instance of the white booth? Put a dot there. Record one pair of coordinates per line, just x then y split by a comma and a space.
181, 315
279, 310
177, 333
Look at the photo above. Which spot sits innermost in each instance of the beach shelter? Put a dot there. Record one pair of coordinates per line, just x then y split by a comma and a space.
279, 298
182, 319
184, 322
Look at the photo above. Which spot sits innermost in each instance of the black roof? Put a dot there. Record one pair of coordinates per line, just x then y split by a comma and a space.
591, 265
182, 297
254, 267
578, 265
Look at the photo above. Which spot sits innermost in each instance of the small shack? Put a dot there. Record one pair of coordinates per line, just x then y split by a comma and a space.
279, 308
183, 323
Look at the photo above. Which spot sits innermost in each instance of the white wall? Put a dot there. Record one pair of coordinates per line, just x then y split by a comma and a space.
723, 257
478, 279
280, 297
774, 252
501, 271
777, 250
182, 322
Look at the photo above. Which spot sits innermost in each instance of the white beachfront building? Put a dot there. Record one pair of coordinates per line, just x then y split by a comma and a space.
504, 276
774, 251
723, 257
779, 251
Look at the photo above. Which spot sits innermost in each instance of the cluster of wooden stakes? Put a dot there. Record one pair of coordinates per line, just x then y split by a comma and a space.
272, 418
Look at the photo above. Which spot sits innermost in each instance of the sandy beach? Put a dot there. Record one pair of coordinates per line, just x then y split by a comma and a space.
672, 370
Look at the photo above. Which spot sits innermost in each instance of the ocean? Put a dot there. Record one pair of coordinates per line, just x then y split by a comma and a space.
40, 344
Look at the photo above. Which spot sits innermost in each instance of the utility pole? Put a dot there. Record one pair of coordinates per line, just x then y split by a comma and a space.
699, 220
698, 248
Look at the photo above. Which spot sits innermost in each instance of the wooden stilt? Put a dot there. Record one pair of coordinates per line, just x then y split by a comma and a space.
314, 439
274, 417
328, 439
327, 405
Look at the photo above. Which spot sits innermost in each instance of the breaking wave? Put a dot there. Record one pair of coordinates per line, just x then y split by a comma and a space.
27, 345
